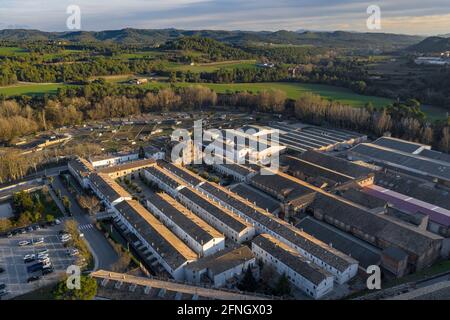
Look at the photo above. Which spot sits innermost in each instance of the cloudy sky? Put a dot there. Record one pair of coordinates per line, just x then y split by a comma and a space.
429, 17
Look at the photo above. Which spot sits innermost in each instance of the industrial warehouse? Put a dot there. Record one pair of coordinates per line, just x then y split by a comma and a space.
320, 220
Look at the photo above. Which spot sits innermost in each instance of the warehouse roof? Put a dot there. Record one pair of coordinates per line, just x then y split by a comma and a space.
380, 226
329, 255
180, 216
161, 239
81, 166
144, 163
365, 253
398, 144
229, 219
108, 187
335, 164
291, 258
407, 161
180, 172
223, 260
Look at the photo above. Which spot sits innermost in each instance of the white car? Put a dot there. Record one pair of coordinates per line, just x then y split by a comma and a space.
43, 251
45, 261
29, 256
57, 221
24, 243
38, 241
42, 256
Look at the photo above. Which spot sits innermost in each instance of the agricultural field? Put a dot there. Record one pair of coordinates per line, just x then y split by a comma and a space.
31, 89
11, 51
294, 91
211, 67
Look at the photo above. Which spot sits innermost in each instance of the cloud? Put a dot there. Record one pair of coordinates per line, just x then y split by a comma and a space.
404, 16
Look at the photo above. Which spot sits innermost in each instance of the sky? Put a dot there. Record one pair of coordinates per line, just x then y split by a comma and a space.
431, 17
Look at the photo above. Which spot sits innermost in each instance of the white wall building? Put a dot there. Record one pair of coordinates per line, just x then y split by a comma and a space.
196, 233
221, 267
303, 274
113, 160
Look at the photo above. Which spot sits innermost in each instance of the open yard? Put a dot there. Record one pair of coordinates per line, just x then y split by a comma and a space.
10, 51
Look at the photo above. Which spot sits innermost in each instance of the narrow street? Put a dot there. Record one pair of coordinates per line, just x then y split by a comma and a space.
103, 252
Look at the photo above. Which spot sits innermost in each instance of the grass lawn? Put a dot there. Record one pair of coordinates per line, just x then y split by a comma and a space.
10, 51
211, 67
31, 89
293, 91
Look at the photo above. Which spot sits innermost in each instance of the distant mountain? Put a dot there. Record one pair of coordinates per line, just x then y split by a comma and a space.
432, 45
352, 40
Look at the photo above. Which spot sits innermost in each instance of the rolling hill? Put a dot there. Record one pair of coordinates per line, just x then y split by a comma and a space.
350, 40
432, 45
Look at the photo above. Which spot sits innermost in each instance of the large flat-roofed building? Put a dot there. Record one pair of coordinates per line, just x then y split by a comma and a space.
238, 172
198, 235
340, 166
422, 247
301, 138
337, 263
230, 224
81, 168
221, 267
292, 193
107, 189
315, 282
127, 168
170, 251
403, 156
365, 253
257, 197
438, 217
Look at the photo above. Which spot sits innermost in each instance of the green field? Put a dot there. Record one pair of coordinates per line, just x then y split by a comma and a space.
10, 51
211, 67
294, 91
31, 89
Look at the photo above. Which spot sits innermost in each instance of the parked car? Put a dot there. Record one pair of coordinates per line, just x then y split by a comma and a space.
23, 231
33, 278
35, 267
42, 256
38, 241
9, 235
2, 270
2, 286
29, 256
57, 222
45, 260
30, 229
24, 243
43, 251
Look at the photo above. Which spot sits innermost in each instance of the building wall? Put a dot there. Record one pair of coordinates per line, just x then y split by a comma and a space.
177, 274
83, 181
298, 280
340, 277
221, 278
245, 235
203, 249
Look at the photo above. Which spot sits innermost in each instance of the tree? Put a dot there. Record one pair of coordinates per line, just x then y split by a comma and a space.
248, 282
87, 291
90, 203
283, 287
49, 218
445, 140
5, 225
66, 203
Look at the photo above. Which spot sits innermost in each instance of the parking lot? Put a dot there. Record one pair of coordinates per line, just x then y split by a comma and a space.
12, 260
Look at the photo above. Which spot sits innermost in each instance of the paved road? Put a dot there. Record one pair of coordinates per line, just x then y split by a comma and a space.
105, 255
